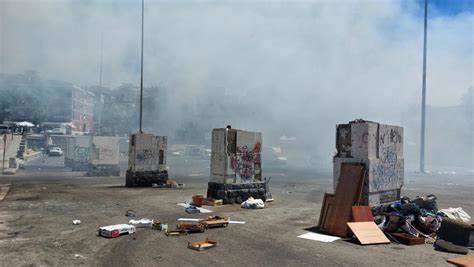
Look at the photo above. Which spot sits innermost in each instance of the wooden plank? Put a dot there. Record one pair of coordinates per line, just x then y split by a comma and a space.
368, 233
464, 261
328, 200
408, 240
348, 193
362, 214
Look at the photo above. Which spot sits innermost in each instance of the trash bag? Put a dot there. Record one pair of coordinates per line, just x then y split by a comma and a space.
252, 203
455, 213
427, 202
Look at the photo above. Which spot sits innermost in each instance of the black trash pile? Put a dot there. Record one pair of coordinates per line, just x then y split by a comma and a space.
420, 217
413, 216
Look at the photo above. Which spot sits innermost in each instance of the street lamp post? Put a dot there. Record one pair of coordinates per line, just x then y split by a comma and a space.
423, 95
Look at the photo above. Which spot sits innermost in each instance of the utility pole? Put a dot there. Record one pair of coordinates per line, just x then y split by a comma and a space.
101, 98
4, 150
423, 95
141, 73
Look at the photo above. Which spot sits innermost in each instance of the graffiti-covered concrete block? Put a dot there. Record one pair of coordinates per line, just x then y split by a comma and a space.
147, 152
236, 156
105, 150
147, 160
368, 140
380, 148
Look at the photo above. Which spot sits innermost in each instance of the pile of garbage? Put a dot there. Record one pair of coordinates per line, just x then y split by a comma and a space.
449, 229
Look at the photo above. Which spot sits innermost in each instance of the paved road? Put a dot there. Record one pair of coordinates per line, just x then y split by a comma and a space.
36, 223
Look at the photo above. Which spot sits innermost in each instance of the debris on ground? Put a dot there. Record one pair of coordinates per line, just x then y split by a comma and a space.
202, 245
212, 202
368, 233
192, 208
76, 222
142, 223
453, 236
198, 200
177, 232
191, 227
455, 213
116, 230
130, 213
215, 221
252, 203
319, 237
467, 261
159, 226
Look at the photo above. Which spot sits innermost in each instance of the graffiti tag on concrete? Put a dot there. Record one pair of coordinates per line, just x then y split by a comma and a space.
246, 162
387, 171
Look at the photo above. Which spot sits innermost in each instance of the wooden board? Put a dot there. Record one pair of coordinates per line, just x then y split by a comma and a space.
362, 214
368, 233
408, 240
464, 261
348, 194
328, 201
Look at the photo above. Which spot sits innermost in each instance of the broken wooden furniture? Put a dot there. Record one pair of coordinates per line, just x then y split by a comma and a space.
368, 233
191, 227
178, 232
215, 221
202, 245
348, 193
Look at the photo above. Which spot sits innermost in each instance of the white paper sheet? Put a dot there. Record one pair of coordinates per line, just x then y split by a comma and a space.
319, 237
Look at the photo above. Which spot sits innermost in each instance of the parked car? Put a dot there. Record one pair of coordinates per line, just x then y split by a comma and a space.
5, 129
55, 152
55, 131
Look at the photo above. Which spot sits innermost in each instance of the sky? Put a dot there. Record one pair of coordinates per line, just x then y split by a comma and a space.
312, 64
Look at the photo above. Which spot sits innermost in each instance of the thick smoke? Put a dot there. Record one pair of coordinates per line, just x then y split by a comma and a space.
284, 68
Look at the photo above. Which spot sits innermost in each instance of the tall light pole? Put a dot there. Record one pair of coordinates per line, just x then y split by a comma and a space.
423, 96
141, 74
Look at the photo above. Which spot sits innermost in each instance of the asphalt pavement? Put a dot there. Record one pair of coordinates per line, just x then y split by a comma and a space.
36, 222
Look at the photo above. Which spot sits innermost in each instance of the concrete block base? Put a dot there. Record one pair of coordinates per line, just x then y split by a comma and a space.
68, 162
145, 178
104, 170
80, 167
236, 193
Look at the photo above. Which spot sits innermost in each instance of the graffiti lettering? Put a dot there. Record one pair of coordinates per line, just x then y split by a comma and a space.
245, 163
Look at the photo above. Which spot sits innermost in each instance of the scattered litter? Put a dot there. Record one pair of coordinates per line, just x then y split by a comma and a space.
44, 188
368, 233
198, 200
176, 233
130, 213
467, 261
142, 223
212, 202
237, 222
252, 203
116, 230
188, 219
188, 205
202, 245
76, 222
319, 237
79, 256
455, 213
159, 226
191, 227
192, 209
407, 239
215, 221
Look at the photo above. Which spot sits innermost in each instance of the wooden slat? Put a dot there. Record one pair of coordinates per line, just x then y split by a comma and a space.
347, 194
328, 201
464, 261
368, 233
362, 214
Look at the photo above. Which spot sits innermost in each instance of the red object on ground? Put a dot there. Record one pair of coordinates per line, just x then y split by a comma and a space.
198, 200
